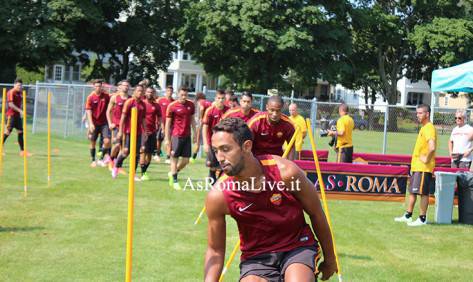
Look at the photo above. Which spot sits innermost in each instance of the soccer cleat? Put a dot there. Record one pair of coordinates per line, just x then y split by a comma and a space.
22, 154
418, 222
122, 171
137, 178
106, 160
168, 161
171, 181
403, 219
101, 163
145, 177
100, 154
93, 164
157, 159
114, 172
176, 186
111, 164
191, 160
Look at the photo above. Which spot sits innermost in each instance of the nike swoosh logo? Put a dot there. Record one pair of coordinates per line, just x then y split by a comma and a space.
240, 209
264, 133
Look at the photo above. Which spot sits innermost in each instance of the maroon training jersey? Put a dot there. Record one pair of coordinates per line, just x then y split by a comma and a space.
164, 103
153, 116
16, 98
98, 103
141, 112
205, 104
268, 221
238, 113
118, 109
268, 138
211, 117
181, 115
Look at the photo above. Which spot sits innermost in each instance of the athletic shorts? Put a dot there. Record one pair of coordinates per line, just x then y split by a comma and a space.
127, 142
272, 266
149, 143
345, 155
160, 134
14, 122
103, 130
181, 147
212, 159
114, 135
420, 183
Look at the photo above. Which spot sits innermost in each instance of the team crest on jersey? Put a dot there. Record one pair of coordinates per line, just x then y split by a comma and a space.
276, 199
279, 134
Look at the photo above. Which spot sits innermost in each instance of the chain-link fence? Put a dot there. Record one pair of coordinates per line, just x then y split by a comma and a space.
379, 128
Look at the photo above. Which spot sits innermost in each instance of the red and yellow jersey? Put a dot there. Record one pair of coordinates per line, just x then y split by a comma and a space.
211, 117
16, 98
238, 113
269, 221
181, 115
268, 138
141, 112
97, 104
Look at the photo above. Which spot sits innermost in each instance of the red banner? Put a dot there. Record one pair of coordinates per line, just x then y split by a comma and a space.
306, 155
387, 159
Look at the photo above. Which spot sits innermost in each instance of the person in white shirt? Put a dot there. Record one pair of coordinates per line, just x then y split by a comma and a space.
460, 144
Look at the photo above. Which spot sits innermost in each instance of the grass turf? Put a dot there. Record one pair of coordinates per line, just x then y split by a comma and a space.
75, 230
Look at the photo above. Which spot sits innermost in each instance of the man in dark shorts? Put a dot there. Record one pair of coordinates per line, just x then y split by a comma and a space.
211, 117
163, 103
276, 242
114, 114
422, 167
179, 121
96, 109
245, 111
271, 129
124, 133
344, 134
201, 105
153, 122
14, 114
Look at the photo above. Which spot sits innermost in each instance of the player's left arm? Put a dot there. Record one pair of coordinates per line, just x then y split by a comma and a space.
304, 191
431, 138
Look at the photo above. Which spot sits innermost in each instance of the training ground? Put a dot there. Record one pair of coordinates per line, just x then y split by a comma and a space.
75, 230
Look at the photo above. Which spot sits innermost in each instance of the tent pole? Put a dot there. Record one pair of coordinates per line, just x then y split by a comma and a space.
432, 106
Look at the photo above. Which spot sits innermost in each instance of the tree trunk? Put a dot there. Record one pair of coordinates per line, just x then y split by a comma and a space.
392, 100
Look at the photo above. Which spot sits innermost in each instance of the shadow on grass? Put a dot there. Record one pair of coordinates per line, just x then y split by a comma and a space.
20, 229
355, 257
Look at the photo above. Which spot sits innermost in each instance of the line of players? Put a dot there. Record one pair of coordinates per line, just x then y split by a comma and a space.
169, 122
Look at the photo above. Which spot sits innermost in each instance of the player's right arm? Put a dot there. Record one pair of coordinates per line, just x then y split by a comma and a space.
216, 231
111, 104
88, 111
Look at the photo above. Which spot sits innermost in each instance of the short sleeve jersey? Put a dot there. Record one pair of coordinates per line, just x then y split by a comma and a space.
153, 116
97, 104
16, 98
238, 113
141, 112
211, 117
299, 122
181, 115
346, 124
426, 133
163, 104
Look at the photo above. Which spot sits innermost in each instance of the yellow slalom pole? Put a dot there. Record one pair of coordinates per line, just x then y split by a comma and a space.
49, 138
25, 162
230, 259
131, 195
200, 216
2, 129
322, 192
284, 155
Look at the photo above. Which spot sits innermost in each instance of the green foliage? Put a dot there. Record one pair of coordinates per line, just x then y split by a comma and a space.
29, 77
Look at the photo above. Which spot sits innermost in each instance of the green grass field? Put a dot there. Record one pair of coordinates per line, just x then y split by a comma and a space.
75, 230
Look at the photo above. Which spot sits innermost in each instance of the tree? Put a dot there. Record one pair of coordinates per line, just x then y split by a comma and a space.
35, 33
257, 42
136, 37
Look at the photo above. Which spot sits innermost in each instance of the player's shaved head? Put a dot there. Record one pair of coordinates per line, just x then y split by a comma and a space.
276, 99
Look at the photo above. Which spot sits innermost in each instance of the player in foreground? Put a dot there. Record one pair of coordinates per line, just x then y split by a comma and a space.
276, 242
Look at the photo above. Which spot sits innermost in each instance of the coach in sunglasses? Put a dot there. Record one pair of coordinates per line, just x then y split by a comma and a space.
460, 144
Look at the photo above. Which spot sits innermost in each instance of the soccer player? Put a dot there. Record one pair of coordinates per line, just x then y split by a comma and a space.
344, 134
124, 133
96, 106
228, 95
14, 114
179, 121
211, 117
153, 123
271, 129
233, 102
163, 104
299, 121
201, 105
245, 111
422, 166
276, 242
114, 114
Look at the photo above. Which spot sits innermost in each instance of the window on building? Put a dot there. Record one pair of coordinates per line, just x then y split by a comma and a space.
210, 81
186, 56
76, 72
49, 72
189, 81
58, 72
169, 79
67, 73
414, 98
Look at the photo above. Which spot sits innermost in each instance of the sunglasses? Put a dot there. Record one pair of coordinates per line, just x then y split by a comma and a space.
458, 118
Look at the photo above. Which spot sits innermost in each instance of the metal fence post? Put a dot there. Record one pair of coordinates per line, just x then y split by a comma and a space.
67, 113
35, 108
73, 110
261, 103
385, 137
82, 110
313, 113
